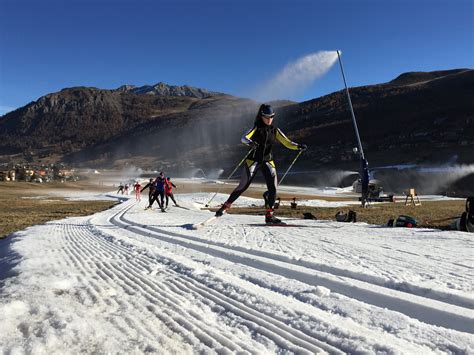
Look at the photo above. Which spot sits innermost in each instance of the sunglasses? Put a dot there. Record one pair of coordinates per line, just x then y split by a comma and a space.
267, 117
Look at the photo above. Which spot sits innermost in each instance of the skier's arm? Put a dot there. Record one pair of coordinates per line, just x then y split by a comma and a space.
147, 185
174, 185
286, 141
246, 138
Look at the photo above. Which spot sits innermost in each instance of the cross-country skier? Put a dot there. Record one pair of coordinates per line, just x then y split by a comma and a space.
169, 191
160, 190
261, 139
120, 188
137, 187
152, 195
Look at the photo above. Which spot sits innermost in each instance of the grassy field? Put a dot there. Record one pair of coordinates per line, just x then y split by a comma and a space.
24, 204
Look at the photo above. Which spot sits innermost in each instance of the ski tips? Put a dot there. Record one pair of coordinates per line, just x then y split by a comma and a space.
203, 223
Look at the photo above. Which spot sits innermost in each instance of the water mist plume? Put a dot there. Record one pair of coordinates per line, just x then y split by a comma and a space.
296, 76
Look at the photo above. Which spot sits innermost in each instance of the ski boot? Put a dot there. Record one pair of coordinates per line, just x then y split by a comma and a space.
223, 209
271, 219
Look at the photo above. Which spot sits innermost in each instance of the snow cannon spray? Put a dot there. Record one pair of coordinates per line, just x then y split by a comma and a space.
364, 165
296, 76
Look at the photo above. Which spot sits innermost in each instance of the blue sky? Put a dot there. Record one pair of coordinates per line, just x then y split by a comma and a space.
227, 46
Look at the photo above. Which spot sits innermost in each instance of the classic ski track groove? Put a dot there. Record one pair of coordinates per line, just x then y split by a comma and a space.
385, 296
89, 254
131, 280
280, 333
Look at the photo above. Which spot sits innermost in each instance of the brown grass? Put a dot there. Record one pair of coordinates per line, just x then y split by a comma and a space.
17, 213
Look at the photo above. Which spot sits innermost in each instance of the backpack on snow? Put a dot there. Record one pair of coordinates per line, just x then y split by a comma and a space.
466, 222
403, 221
350, 216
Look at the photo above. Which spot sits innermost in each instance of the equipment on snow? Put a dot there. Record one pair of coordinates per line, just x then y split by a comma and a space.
350, 216
465, 223
294, 204
204, 223
403, 221
309, 215
364, 165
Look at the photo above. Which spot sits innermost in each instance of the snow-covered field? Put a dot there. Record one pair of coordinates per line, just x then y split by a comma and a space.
130, 281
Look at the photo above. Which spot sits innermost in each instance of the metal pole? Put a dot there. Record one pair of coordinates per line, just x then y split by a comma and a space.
350, 106
364, 169
287, 170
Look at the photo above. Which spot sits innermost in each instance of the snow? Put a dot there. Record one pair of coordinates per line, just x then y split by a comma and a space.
127, 280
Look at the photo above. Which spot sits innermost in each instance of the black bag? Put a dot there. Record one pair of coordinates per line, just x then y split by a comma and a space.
406, 221
350, 216
309, 215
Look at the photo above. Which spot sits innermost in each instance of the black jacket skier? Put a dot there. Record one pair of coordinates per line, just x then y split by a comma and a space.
261, 139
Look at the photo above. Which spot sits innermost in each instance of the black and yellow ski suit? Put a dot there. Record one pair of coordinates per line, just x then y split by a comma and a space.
261, 137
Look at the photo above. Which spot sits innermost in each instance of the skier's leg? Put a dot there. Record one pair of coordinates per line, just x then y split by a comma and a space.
269, 172
150, 200
172, 198
248, 174
270, 175
167, 200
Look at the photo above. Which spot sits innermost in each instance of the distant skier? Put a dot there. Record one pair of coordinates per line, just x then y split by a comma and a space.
261, 139
152, 195
160, 189
120, 188
169, 191
137, 187
126, 189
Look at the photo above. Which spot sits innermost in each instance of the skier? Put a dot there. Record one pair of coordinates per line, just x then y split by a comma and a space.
152, 197
160, 190
169, 191
120, 189
261, 139
126, 188
137, 186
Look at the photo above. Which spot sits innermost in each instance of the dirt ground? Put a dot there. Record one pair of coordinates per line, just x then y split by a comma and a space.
24, 204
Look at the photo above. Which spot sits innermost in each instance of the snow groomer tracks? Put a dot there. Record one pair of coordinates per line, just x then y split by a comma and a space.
454, 313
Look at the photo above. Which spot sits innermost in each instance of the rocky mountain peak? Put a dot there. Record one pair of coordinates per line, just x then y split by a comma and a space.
163, 89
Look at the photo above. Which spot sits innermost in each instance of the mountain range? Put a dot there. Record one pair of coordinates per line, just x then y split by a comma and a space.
417, 118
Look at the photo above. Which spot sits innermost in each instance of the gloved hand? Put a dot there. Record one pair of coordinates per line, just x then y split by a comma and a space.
302, 147
253, 145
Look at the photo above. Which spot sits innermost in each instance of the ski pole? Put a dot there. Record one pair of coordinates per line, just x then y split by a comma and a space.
291, 165
232, 173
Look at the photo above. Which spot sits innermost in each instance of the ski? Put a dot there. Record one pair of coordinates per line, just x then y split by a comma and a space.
276, 225
204, 223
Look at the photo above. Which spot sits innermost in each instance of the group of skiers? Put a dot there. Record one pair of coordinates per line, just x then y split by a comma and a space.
159, 190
